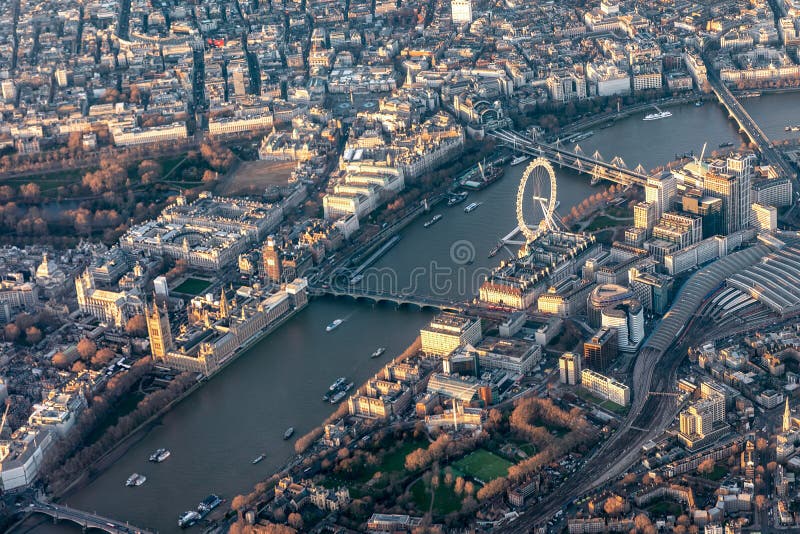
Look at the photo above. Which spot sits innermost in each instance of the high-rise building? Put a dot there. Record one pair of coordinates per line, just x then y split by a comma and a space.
601, 350
627, 319
161, 287
602, 296
569, 366
653, 290
726, 188
461, 11
683, 230
703, 422
772, 192
271, 261
159, 331
732, 186
644, 215
765, 218
661, 190
448, 331
709, 208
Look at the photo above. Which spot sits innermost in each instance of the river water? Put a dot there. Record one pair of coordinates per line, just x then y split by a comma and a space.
243, 412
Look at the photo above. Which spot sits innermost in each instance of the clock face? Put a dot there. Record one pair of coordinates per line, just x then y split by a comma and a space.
270, 262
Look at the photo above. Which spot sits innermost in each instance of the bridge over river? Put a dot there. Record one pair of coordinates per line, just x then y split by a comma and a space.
83, 519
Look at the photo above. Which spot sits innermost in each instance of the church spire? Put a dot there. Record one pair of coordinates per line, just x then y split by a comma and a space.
787, 417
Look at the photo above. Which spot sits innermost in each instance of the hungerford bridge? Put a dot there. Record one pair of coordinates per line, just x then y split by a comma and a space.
614, 171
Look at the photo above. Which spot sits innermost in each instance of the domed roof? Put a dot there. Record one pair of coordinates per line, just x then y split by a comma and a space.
48, 270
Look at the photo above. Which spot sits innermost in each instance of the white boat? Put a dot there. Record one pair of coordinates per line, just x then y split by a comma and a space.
257, 459
339, 396
378, 352
458, 197
656, 116
160, 455
472, 207
436, 218
135, 480
337, 384
522, 158
187, 519
288, 433
334, 325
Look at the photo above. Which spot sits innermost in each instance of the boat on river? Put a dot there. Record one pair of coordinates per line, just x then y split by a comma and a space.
160, 455
135, 480
522, 158
436, 218
334, 325
658, 115
472, 207
187, 519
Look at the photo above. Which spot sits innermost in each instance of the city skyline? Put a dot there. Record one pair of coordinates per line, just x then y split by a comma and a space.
540, 262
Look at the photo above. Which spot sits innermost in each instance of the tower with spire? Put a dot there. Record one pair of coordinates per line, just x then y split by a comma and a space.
159, 331
787, 417
224, 307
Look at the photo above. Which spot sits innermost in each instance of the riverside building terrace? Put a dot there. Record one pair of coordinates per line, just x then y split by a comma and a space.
549, 259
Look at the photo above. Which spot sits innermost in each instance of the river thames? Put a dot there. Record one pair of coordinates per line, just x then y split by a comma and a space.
243, 412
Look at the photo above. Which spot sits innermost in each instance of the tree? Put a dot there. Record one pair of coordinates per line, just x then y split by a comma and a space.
706, 466
11, 332
761, 501
75, 141
238, 502
6, 193
86, 348
30, 191
78, 366
295, 520
614, 505
24, 321
641, 522
33, 335
102, 357
136, 325
60, 360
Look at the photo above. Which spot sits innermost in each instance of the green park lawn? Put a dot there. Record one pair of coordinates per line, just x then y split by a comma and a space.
483, 465
445, 499
192, 286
